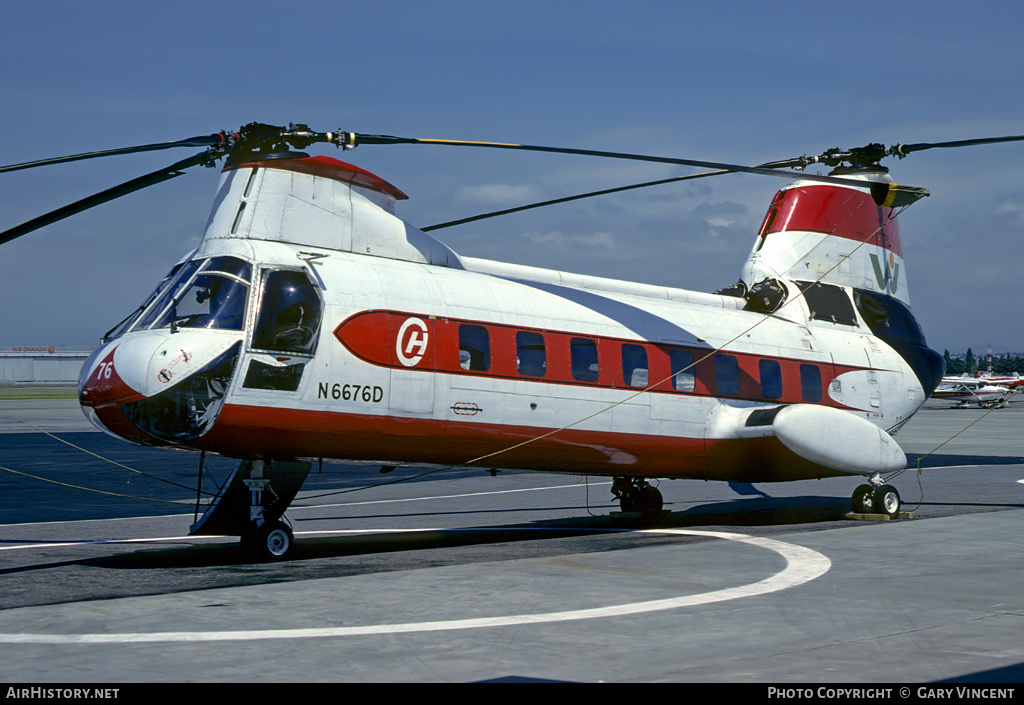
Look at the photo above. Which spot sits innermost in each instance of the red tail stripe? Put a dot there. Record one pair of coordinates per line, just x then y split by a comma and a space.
835, 210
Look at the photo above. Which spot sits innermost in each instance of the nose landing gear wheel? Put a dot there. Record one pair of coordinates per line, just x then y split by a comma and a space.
271, 542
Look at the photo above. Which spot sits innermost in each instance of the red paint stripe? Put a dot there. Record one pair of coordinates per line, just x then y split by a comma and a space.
251, 431
371, 336
114, 420
842, 212
328, 168
104, 386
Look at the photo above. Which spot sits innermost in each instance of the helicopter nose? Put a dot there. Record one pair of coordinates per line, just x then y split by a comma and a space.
159, 387
101, 384
102, 390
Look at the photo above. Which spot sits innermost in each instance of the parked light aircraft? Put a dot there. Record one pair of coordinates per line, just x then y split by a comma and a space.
971, 390
312, 323
1012, 381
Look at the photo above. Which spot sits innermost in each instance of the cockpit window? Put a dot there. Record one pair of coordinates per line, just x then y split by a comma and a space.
119, 330
211, 301
208, 293
230, 265
170, 292
289, 316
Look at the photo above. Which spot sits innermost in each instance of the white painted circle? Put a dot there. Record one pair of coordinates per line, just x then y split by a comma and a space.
411, 342
802, 566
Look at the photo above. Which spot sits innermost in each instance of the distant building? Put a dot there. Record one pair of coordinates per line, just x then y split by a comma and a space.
44, 364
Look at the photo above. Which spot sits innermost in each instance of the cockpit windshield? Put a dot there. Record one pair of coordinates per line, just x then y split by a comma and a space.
208, 293
119, 330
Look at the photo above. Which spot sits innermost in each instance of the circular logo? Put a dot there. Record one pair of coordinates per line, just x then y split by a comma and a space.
411, 343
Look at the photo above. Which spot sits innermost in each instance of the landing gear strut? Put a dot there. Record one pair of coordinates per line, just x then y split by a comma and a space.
264, 538
876, 498
251, 505
635, 494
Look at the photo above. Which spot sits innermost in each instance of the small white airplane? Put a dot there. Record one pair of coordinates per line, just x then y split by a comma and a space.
312, 323
1012, 381
972, 390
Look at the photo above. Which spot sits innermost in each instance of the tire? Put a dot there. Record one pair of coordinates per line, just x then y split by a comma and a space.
887, 500
863, 500
271, 542
650, 501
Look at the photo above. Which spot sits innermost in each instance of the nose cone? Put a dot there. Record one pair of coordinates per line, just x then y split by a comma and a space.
100, 383
158, 388
103, 389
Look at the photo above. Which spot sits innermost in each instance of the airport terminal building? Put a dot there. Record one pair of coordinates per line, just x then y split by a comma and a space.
46, 364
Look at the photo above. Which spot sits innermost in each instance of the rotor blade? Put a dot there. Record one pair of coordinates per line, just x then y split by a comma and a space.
201, 141
110, 194
354, 139
905, 149
577, 197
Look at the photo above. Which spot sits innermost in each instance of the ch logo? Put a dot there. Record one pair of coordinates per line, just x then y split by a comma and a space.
411, 343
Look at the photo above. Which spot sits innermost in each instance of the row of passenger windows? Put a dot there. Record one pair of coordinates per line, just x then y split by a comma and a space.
585, 365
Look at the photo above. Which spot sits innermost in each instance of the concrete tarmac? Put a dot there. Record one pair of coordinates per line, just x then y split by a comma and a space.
760, 584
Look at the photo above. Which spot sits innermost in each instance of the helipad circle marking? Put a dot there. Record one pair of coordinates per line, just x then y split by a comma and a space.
802, 566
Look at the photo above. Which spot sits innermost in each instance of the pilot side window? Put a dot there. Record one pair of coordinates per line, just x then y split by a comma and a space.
531, 359
634, 365
583, 354
474, 348
290, 312
810, 383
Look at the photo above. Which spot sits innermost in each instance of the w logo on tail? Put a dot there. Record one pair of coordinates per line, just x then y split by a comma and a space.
887, 274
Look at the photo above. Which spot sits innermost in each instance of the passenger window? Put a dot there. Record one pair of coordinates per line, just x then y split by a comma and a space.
727, 374
583, 353
531, 360
771, 378
474, 348
634, 365
810, 382
289, 314
684, 374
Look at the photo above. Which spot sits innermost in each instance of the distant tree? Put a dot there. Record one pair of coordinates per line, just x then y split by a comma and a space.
969, 362
954, 365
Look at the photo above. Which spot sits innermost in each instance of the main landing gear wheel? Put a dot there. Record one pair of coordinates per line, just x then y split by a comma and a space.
270, 542
863, 501
637, 495
883, 499
887, 501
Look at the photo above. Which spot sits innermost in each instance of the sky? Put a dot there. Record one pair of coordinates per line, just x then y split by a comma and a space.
735, 82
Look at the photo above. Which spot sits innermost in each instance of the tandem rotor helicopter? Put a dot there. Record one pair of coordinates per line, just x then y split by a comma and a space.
312, 323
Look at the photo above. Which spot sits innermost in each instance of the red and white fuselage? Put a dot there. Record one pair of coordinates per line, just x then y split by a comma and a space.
314, 323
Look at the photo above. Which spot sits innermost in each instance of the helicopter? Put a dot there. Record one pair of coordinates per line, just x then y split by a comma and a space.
313, 324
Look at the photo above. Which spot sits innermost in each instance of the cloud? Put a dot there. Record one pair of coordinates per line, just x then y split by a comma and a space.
499, 195
589, 241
